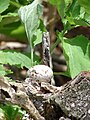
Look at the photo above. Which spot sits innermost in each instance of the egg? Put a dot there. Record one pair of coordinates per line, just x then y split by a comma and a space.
41, 73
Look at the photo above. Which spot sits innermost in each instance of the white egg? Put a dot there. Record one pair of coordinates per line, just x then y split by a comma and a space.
42, 73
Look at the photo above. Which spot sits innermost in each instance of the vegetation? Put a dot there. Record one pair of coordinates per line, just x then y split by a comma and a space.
12, 112
21, 18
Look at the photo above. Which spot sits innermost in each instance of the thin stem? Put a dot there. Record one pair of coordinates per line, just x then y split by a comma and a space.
54, 46
31, 48
59, 38
31, 55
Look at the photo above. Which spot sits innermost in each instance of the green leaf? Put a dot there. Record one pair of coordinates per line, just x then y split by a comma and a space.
14, 58
86, 5
11, 112
77, 54
68, 3
4, 72
39, 10
4, 5
87, 18
39, 37
75, 9
18, 32
9, 18
29, 15
76, 15
71, 13
10, 25
81, 22
15, 30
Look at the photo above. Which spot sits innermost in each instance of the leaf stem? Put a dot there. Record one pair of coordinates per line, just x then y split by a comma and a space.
54, 46
31, 55
59, 38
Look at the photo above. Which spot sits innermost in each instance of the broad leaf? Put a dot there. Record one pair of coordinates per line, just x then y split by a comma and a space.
77, 54
4, 5
9, 18
11, 26
86, 5
14, 58
29, 15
